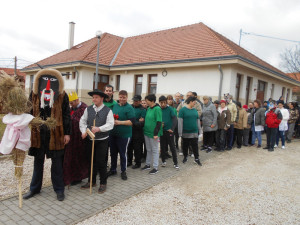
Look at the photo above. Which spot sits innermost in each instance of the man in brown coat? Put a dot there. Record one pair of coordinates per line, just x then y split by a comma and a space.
240, 125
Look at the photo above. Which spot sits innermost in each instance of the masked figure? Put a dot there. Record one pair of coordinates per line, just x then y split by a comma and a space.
49, 100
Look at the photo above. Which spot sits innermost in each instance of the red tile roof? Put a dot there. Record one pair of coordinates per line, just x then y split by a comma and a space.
188, 42
192, 42
11, 71
86, 51
295, 76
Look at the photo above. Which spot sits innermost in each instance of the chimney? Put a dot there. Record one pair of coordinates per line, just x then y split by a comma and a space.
71, 34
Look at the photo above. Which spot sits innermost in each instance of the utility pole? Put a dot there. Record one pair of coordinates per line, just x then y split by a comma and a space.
15, 65
241, 31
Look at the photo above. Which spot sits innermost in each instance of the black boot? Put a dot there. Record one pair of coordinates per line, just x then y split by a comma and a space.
29, 194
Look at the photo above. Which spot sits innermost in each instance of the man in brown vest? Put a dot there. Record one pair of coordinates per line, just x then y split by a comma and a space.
49, 100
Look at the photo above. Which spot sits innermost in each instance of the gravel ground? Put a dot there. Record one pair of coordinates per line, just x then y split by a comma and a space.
246, 186
8, 182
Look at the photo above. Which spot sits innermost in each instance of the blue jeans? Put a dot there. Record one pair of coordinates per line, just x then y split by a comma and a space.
280, 134
230, 134
255, 134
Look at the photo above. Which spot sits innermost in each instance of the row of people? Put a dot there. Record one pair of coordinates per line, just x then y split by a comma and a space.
123, 129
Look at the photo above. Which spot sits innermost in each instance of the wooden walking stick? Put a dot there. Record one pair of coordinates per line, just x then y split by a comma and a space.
90, 133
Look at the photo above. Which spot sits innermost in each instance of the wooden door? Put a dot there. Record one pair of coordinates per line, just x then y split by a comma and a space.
261, 91
102, 81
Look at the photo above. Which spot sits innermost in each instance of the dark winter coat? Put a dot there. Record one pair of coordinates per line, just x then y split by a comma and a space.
259, 116
224, 119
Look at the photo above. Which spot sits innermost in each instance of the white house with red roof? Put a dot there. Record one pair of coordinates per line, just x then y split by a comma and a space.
188, 58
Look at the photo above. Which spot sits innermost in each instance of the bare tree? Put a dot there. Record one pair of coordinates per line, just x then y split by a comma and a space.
291, 59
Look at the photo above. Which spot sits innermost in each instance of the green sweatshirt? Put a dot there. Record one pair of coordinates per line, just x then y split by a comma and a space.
189, 117
153, 115
167, 115
110, 104
125, 112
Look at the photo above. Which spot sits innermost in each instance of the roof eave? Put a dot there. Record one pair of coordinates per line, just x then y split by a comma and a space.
63, 65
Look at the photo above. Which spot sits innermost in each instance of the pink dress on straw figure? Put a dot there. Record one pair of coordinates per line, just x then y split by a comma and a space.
17, 133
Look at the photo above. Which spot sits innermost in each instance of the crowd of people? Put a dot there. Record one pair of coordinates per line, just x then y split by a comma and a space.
144, 132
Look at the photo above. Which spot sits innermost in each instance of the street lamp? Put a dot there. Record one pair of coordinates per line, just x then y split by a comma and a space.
98, 35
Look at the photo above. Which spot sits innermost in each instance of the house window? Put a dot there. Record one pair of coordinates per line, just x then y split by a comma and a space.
237, 86
152, 83
73, 75
68, 76
102, 81
118, 78
138, 84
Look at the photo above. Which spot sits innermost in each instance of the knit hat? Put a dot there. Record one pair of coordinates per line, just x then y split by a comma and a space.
222, 101
245, 106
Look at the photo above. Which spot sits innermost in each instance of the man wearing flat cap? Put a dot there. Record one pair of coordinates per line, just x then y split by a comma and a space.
103, 118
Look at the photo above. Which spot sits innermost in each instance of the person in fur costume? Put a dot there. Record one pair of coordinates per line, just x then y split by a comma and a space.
49, 99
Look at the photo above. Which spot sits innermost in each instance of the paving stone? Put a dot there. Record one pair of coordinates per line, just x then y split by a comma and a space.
10, 222
4, 218
45, 209
28, 218
23, 223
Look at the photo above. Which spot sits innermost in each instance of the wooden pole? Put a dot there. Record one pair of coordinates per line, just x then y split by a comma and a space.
92, 162
20, 193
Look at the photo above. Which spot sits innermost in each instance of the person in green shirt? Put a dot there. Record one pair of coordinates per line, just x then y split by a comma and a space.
169, 120
171, 103
137, 140
189, 128
109, 101
120, 135
152, 132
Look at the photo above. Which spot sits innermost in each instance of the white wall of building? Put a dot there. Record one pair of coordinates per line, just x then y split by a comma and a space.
205, 80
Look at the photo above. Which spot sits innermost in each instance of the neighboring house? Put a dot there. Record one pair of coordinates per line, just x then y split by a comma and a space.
10, 71
188, 58
296, 89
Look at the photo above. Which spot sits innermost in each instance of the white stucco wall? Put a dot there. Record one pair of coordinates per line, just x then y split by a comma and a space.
204, 80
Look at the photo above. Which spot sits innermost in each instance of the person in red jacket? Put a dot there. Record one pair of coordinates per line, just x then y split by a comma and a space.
273, 119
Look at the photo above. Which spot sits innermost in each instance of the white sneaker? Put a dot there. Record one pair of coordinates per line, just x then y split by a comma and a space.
192, 155
164, 164
275, 146
180, 153
283, 147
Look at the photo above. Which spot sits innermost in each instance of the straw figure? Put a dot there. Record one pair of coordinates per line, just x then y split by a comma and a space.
16, 138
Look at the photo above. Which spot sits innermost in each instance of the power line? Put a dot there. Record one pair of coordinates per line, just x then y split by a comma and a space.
265, 36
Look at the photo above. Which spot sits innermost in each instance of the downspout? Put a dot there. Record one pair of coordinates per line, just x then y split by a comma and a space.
221, 81
77, 75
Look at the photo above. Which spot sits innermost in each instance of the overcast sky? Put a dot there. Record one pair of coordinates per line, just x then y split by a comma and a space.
33, 30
